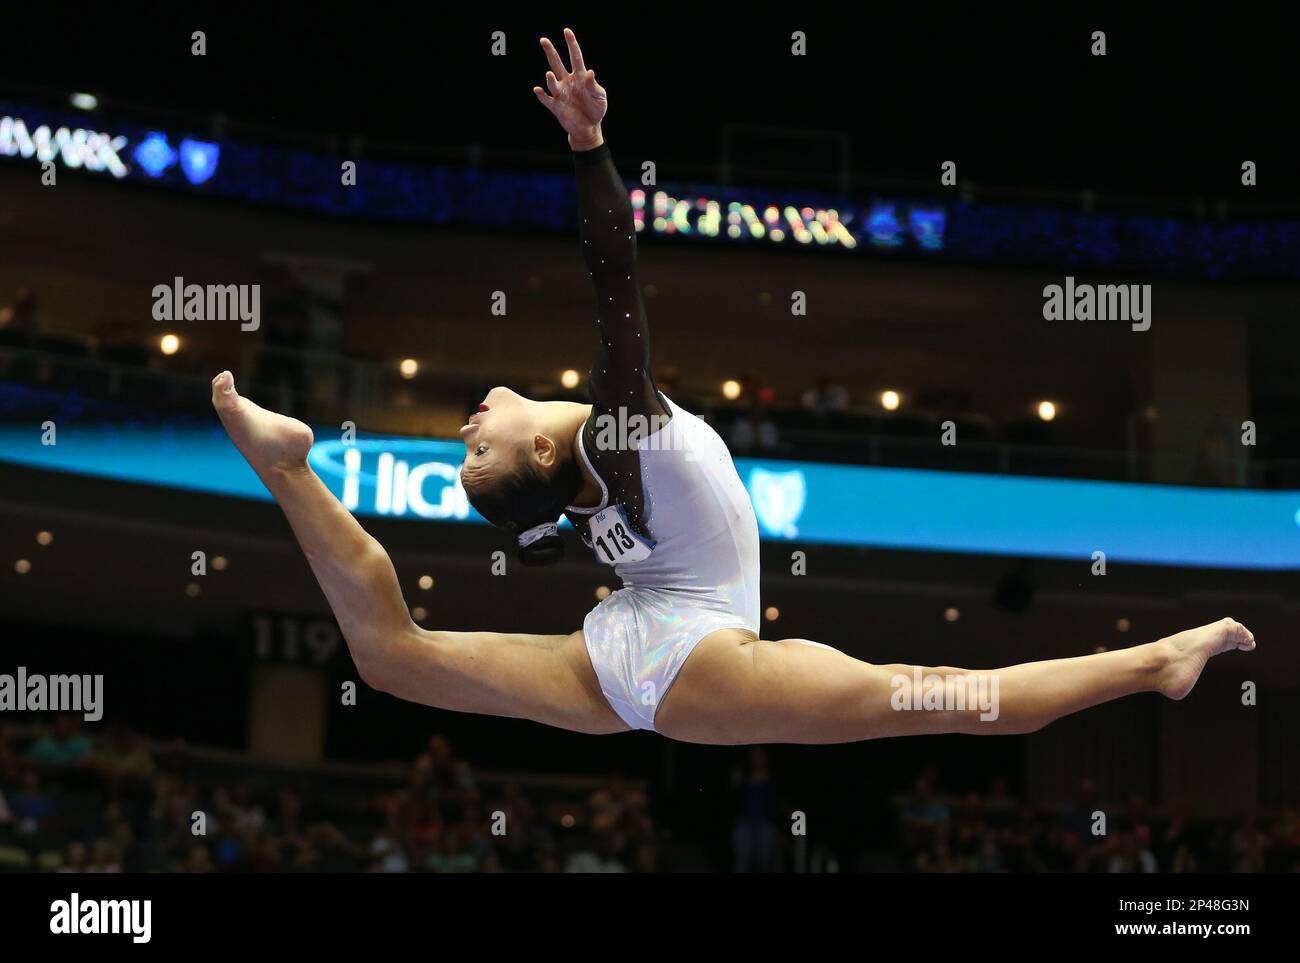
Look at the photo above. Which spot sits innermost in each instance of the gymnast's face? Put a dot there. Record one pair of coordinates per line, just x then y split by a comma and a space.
502, 434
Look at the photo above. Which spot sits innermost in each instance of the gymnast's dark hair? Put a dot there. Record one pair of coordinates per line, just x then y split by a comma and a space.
526, 498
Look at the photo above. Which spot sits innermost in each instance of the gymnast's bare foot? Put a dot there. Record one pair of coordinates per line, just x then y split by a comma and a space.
270, 442
1187, 652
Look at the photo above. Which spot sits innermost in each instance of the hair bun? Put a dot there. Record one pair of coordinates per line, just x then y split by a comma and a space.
544, 551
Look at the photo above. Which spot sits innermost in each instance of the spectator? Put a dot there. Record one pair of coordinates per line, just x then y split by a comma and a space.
196, 860
753, 836
754, 431
611, 804
925, 813
825, 397
388, 848
104, 857
65, 746
754, 390
74, 859
31, 806
600, 857
668, 379
123, 756
1284, 855
21, 316
1078, 819
1146, 859
335, 852
451, 854
1249, 848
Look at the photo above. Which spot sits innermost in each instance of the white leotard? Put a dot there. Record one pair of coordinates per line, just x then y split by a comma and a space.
701, 576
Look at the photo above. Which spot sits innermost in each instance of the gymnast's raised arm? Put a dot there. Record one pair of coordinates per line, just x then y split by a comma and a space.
621, 374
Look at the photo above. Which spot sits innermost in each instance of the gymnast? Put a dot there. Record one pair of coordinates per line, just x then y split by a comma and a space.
677, 649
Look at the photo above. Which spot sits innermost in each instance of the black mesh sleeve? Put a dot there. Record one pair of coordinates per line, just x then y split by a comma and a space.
621, 373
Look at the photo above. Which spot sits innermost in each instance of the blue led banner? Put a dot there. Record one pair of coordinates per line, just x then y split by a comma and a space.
479, 198
794, 501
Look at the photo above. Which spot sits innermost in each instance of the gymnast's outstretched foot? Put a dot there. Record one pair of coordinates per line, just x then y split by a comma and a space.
1187, 653
269, 441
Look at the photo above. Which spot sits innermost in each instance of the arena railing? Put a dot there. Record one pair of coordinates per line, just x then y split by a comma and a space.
327, 388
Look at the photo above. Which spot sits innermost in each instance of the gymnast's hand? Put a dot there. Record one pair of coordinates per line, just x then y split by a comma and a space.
576, 100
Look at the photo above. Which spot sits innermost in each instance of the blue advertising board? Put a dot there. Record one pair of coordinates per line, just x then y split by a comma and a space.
803, 502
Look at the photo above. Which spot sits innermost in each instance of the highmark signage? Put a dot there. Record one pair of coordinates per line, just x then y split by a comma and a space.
802, 502
395, 476
74, 147
99, 151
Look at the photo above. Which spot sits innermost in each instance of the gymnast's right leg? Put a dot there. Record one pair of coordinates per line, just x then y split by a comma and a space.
736, 689
546, 678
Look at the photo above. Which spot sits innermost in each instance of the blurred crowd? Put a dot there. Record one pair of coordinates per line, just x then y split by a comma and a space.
116, 803
996, 832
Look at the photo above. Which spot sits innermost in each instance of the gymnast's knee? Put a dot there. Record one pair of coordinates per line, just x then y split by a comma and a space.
372, 666
385, 656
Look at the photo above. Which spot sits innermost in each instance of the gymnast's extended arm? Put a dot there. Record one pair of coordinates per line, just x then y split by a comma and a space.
621, 375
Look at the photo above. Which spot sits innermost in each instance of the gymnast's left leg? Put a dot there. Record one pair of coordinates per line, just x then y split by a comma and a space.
546, 678
737, 690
